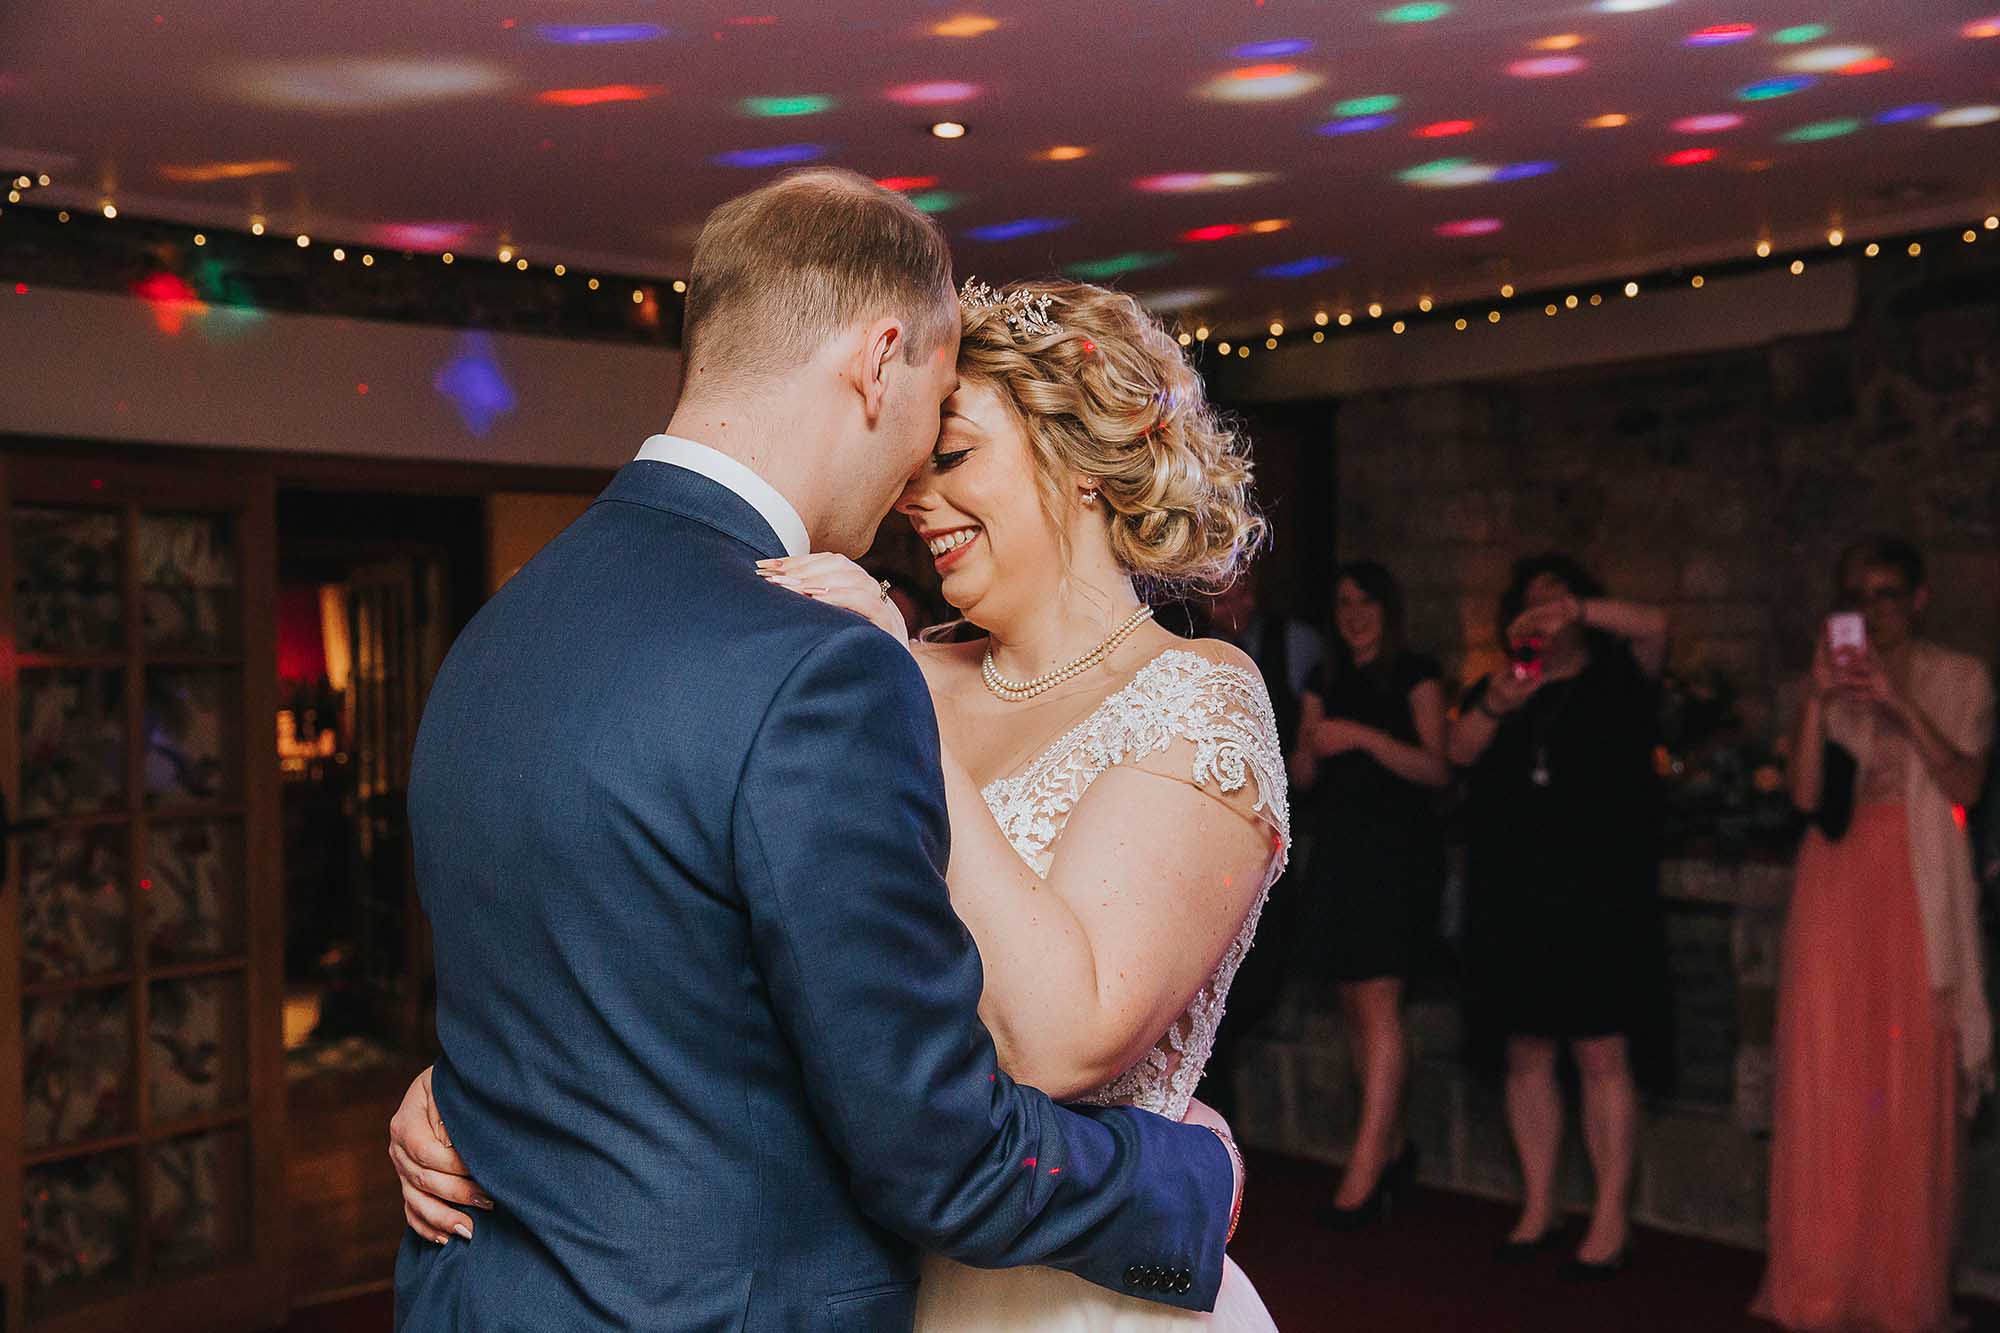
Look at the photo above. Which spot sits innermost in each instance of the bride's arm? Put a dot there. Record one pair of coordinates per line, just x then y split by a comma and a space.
1084, 971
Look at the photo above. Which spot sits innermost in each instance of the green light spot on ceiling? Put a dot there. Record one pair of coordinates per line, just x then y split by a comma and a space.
1800, 34
937, 201
769, 108
1821, 129
1130, 262
1423, 13
1367, 106
1426, 170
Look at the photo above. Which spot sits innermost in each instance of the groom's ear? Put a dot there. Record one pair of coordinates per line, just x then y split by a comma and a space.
881, 345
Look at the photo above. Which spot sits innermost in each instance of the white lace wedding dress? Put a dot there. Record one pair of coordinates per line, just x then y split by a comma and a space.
1212, 724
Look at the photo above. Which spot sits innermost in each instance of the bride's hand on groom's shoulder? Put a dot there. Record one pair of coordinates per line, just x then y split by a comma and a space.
838, 581
432, 1174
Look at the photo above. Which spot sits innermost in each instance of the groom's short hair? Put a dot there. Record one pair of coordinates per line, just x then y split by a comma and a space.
780, 269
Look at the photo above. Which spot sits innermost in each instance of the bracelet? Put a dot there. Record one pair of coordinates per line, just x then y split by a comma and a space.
1242, 1171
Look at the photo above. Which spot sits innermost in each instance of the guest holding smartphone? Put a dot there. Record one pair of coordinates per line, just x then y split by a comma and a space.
1370, 752
1883, 1032
1564, 940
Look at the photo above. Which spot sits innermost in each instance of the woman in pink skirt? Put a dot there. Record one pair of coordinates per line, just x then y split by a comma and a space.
1883, 1032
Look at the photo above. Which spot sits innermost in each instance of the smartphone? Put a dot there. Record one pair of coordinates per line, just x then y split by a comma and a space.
1525, 659
1846, 635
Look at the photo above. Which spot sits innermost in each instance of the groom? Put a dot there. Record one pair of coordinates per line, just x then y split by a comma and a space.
708, 1022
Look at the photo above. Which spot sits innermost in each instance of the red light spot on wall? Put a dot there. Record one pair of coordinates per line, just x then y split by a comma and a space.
609, 92
361, 387
20, 289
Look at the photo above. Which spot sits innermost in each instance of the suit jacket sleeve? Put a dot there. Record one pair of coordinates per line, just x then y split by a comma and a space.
841, 846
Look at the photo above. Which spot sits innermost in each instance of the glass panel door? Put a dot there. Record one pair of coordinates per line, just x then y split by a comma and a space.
135, 633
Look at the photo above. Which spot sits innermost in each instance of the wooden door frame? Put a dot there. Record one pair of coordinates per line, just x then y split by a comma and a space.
232, 1292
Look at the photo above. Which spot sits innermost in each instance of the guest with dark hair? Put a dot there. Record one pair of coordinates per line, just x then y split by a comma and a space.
1370, 750
1564, 936
1883, 1030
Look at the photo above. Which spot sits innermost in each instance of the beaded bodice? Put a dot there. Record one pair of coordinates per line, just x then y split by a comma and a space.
1223, 714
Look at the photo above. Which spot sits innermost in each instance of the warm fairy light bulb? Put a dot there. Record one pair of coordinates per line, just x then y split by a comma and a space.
1872, 250
1276, 328
200, 239
1493, 317
1459, 324
1836, 236
13, 196
42, 179
948, 129
521, 264
1319, 335
1424, 304
1320, 318
561, 269
1244, 350
1398, 326
257, 228
506, 254
1798, 267
1345, 319
593, 284
1223, 348
1696, 281
1569, 302
368, 261
1271, 343
1506, 289
1763, 249
339, 254
680, 285
446, 256
304, 241
1549, 309
1201, 333
1186, 339
1631, 289
1916, 248
111, 210
1993, 222
1597, 298
1374, 310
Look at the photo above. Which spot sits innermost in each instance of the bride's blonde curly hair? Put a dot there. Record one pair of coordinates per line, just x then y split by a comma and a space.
1112, 399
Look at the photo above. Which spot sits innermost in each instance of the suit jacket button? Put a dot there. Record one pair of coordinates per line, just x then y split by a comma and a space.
1159, 1279
1185, 1284
1133, 1275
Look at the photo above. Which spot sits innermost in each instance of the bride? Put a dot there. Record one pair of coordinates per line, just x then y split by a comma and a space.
1117, 797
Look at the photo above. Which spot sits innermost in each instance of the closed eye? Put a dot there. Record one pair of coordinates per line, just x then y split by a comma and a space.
944, 460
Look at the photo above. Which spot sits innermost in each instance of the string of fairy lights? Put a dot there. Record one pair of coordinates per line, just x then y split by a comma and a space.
1326, 324
506, 256
1468, 315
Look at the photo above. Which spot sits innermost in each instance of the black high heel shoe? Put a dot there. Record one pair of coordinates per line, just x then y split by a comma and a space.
1595, 1270
1526, 1251
1397, 1176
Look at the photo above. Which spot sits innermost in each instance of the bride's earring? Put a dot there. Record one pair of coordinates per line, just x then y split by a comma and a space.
1090, 497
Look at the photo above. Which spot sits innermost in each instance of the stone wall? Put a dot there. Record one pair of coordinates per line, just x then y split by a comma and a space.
1719, 486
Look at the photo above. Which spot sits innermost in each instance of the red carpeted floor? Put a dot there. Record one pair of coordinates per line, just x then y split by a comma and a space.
1429, 1270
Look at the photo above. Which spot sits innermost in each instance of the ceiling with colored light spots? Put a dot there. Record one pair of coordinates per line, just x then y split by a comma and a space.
1232, 161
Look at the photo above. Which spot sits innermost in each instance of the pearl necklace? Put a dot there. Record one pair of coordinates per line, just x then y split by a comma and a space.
1015, 692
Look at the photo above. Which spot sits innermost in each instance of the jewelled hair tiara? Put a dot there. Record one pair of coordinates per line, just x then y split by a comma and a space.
1027, 316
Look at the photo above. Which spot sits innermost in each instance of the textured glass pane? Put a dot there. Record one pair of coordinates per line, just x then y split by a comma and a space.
78, 1065
195, 1049
187, 581
193, 889
74, 920
191, 753
198, 1197
77, 1228
72, 741
67, 581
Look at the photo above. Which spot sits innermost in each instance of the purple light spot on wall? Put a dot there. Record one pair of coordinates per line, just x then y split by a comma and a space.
473, 382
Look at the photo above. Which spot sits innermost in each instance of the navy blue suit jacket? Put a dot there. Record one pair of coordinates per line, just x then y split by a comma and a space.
708, 1021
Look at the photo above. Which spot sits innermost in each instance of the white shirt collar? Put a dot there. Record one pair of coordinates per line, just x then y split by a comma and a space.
733, 476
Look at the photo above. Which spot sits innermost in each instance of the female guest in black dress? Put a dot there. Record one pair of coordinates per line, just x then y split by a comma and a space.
1564, 935
1371, 753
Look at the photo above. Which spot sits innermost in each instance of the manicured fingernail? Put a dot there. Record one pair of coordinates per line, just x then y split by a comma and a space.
483, 1202
442, 1239
462, 1230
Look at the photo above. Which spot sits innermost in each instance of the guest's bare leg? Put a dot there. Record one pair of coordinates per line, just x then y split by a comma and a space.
1374, 1016
1535, 1117
1611, 1135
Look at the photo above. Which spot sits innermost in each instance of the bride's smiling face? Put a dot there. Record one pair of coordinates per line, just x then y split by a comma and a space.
977, 504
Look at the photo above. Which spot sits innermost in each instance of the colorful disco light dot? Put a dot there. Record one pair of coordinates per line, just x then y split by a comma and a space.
1373, 105
1425, 170
1194, 182
1821, 129
1901, 115
1130, 262
1420, 13
1010, 231
904, 184
1979, 29
936, 201
1545, 67
1872, 65
1689, 157
1964, 117
205, 172
1520, 171
604, 34
1260, 83
1181, 298
474, 383
935, 93
609, 92
1355, 125
1063, 153
1219, 231
1629, 6
1444, 129
1799, 34
1711, 124
1721, 34
1765, 90
1609, 121
1464, 227
780, 156
1302, 268
1291, 46
1562, 41
965, 26
1827, 59
948, 129
771, 108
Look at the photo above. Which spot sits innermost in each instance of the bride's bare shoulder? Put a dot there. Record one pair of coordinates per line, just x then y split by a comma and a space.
1220, 653
947, 664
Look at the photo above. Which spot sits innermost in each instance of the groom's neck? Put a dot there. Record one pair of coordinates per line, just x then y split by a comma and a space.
774, 439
